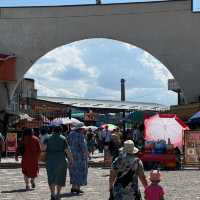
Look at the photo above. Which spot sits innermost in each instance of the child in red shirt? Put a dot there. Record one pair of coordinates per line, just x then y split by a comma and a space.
154, 191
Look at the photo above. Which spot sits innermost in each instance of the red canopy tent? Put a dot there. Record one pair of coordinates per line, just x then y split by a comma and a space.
164, 127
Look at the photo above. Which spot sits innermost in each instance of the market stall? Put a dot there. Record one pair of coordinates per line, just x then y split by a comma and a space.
163, 141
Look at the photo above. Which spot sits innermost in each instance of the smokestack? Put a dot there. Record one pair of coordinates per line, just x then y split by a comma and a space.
123, 97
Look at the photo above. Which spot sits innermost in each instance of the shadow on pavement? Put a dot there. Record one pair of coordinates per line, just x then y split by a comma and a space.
16, 191
67, 195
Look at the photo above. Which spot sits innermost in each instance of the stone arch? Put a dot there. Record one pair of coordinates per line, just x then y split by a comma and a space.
64, 43
168, 30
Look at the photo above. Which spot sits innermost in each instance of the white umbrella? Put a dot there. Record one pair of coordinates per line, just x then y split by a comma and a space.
93, 128
56, 122
64, 120
26, 116
72, 121
164, 127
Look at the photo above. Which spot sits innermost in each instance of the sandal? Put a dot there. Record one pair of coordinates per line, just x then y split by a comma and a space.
33, 184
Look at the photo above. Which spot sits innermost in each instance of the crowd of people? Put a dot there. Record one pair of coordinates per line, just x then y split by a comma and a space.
71, 151
59, 153
110, 141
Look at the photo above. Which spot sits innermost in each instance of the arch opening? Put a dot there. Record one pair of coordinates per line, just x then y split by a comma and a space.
92, 68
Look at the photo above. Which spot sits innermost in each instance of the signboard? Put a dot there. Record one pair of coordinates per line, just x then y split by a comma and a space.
192, 147
11, 142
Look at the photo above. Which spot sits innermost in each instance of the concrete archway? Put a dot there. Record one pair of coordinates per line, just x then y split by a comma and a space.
168, 30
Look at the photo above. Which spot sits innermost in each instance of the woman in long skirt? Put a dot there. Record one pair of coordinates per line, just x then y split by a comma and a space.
79, 169
30, 157
56, 165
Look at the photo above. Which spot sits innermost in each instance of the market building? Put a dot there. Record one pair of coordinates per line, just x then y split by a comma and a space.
37, 111
25, 89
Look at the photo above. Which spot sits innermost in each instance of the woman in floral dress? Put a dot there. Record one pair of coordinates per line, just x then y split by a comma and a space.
125, 171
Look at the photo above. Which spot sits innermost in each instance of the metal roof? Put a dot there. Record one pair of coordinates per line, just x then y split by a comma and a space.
106, 104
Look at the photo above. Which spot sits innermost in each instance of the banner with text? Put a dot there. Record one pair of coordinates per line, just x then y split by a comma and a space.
191, 147
11, 142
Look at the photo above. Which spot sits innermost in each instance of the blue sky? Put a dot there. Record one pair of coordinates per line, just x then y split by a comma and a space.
61, 2
93, 68
196, 5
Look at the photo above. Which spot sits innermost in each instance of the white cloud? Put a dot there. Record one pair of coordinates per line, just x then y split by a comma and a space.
60, 59
160, 72
52, 92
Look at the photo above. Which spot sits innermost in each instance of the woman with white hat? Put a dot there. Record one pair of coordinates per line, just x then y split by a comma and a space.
125, 171
79, 169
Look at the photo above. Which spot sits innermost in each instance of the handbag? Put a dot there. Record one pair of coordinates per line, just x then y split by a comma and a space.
43, 156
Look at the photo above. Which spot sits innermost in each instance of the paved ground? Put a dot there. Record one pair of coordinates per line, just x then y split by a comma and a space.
179, 185
12, 186
97, 157
9, 162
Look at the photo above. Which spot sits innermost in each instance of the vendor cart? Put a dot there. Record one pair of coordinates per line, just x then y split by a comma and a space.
162, 161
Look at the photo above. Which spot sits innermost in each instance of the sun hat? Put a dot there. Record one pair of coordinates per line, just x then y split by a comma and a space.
129, 147
78, 126
155, 175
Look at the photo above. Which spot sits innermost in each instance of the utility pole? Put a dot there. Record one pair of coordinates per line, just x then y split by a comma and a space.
123, 98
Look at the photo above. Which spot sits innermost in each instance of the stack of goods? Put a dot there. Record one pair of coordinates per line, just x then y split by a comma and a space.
149, 146
160, 147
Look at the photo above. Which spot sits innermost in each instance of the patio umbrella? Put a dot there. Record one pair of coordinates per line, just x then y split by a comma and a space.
164, 127
111, 127
64, 121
